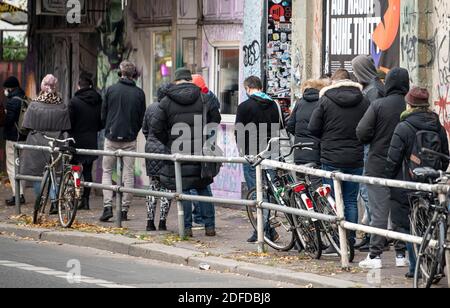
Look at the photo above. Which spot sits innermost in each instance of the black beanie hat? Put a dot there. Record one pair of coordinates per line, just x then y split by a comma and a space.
11, 83
183, 74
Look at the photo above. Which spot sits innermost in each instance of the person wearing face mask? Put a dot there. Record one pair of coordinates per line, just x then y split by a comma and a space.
14, 98
255, 120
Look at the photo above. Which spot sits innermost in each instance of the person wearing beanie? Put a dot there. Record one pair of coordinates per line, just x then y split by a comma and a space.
15, 97
366, 73
376, 129
47, 115
417, 117
199, 81
122, 115
182, 108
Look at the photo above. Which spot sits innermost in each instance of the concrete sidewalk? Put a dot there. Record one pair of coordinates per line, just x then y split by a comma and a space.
228, 252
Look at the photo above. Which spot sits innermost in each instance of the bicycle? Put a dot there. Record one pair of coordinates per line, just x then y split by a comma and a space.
282, 189
68, 192
429, 220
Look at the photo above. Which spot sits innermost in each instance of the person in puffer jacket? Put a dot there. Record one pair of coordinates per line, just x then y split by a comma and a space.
154, 167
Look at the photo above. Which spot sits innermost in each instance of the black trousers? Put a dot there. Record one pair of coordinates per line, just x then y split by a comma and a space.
87, 175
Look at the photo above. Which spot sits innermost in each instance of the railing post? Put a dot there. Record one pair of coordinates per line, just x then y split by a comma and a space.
340, 207
16, 181
259, 209
179, 187
119, 195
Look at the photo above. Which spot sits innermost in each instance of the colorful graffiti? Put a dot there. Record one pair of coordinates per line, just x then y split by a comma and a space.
229, 182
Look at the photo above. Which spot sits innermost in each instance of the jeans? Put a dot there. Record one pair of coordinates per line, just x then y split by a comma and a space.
250, 179
109, 164
363, 190
197, 212
208, 211
37, 191
350, 193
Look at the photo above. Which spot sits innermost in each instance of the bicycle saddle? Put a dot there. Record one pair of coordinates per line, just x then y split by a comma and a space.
426, 174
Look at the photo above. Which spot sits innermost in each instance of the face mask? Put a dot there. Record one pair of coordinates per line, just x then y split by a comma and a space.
6, 93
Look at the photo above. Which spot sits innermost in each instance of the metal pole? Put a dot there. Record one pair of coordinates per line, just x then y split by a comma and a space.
179, 186
259, 209
340, 207
16, 180
119, 193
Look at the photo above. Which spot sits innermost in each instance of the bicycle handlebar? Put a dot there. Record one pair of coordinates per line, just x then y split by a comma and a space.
58, 140
431, 152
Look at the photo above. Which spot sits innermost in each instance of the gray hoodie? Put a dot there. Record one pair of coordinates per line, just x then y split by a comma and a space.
365, 71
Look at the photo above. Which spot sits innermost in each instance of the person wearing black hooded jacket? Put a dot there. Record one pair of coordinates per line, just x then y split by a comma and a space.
418, 117
177, 123
85, 117
298, 122
342, 106
376, 129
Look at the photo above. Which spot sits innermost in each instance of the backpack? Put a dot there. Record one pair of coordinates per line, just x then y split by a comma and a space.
25, 103
424, 139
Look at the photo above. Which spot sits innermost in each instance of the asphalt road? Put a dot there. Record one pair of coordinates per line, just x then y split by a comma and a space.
29, 264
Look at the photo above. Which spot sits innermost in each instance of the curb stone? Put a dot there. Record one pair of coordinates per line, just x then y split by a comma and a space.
122, 245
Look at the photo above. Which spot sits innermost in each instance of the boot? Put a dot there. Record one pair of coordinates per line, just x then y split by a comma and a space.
124, 216
151, 226
107, 214
84, 204
54, 208
12, 201
162, 225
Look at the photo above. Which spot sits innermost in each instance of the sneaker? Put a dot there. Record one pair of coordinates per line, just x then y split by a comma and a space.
54, 208
12, 201
162, 225
371, 263
364, 242
151, 226
365, 248
107, 214
188, 233
253, 239
210, 232
401, 261
330, 252
409, 275
124, 216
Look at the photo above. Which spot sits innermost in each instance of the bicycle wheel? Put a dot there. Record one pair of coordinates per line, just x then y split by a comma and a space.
307, 230
430, 260
42, 200
330, 230
419, 219
281, 236
68, 202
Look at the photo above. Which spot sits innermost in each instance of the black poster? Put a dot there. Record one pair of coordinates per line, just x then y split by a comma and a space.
361, 27
279, 47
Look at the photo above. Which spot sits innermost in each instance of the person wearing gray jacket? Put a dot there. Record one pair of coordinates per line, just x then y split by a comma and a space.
367, 75
48, 116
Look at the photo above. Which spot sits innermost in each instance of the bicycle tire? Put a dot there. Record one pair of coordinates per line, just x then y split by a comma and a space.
419, 220
67, 201
307, 230
330, 230
276, 220
42, 200
428, 259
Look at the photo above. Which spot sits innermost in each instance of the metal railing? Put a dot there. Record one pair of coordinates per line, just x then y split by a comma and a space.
259, 203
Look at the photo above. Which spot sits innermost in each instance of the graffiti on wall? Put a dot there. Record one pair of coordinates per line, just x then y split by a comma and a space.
442, 60
361, 28
252, 36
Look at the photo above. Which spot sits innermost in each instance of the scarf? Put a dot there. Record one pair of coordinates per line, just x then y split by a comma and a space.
49, 98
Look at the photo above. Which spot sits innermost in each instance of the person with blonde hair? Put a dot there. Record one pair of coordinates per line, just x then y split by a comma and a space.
48, 116
301, 115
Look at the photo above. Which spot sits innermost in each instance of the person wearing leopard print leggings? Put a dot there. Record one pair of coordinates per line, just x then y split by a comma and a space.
154, 167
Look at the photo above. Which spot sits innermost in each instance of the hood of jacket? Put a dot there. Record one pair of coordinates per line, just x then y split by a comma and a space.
311, 95
89, 96
17, 93
346, 93
263, 99
364, 69
397, 82
422, 120
184, 93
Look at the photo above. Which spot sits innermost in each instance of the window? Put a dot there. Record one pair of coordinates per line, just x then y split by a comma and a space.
162, 60
14, 45
189, 45
227, 82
